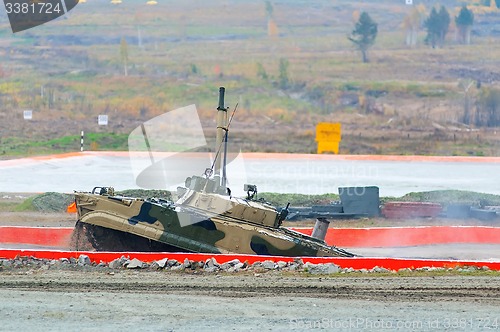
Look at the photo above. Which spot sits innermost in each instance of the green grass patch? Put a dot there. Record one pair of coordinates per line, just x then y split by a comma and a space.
21, 146
46, 202
446, 197
145, 193
109, 141
278, 199
26, 205
452, 197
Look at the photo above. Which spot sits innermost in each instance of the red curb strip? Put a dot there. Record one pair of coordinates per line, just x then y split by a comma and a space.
356, 263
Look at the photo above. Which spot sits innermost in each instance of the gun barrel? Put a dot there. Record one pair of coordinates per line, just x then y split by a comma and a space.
221, 132
222, 91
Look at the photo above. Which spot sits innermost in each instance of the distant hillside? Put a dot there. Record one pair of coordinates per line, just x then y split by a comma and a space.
288, 68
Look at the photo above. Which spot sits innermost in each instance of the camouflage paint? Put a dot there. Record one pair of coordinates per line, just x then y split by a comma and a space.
263, 247
180, 236
143, 215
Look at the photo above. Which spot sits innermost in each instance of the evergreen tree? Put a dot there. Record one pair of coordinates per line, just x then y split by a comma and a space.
269, 9
437, 25
464, 21
432, 26
364, 34
283, 74
444, 18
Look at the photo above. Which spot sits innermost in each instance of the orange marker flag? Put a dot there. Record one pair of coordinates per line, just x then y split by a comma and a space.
71, 208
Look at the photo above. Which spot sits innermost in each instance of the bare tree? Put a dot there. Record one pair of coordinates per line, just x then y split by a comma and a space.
466, 85
412, 24
488, 108
124, 55
464, 22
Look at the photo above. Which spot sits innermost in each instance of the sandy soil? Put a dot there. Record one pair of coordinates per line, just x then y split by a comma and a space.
169, 301
37, 219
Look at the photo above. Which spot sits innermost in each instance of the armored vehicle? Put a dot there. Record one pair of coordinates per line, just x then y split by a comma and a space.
206, 218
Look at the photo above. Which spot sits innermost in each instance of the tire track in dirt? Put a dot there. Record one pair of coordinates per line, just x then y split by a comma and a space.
389, 288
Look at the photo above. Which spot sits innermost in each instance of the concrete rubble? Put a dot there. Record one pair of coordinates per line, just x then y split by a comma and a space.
212, 266
135, 264
84, 260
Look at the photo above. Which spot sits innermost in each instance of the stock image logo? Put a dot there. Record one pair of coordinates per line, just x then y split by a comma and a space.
26, 14
160, 152
167, 142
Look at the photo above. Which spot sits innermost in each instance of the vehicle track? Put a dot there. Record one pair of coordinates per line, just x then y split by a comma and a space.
447, 288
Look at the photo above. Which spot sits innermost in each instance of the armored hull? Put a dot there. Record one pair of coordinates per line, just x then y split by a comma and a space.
199, 222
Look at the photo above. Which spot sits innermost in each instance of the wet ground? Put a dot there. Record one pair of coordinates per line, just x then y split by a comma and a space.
285, 173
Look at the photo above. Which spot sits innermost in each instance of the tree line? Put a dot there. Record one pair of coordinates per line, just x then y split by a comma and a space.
436, 24
487, 106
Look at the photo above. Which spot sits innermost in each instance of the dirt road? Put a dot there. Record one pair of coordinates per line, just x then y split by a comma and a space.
59, 300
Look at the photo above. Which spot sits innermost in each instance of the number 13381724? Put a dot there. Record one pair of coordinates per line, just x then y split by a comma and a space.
33, 8
468, 323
